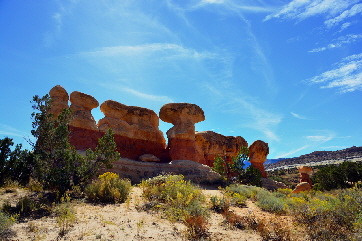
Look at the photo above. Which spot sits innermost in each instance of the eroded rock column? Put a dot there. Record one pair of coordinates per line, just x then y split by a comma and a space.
84, 131
305, 181
59, 98
82, 104
181, 137
258, 151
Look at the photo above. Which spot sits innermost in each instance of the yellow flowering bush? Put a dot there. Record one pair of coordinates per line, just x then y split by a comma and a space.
108, 188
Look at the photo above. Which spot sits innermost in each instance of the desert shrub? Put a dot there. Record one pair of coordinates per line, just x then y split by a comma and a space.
247, 191
179, 200
5, 222
64, 213
271, 203
34, 185
26, 205
220, 205
108, 188
272, 229
329, 216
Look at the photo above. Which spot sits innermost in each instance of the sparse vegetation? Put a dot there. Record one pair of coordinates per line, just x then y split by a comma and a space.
5, 222
179, 200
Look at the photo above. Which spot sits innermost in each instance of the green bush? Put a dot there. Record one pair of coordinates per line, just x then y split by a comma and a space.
5, 222
64, 213
108, 188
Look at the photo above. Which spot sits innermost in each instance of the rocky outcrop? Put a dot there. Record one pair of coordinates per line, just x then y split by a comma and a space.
209, 144
136, 170
305, 173
302, 187
181, 137
59, 98
82, 104
130, 121
258, 152
272, 185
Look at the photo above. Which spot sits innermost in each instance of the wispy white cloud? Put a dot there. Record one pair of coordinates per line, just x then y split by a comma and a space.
354, 10
236, 6
334, 10
290, 153
346, 77
137, 93
319, 138
165, 50
339, 42
10, 131
298, 116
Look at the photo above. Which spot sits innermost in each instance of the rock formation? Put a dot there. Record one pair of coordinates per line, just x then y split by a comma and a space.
258, 152
131, 121
138, 170
209, 144
138, 137
302, 187
181, 137
59, 98
82, 104
305, 181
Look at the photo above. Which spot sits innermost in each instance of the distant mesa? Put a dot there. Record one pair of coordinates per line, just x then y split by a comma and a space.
139, 139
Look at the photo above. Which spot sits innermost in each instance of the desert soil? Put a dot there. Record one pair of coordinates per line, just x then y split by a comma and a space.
125, 222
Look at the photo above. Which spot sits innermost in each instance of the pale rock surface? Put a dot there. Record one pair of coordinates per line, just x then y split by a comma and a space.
82, 104
59, 98
148, 158
131, 121
258, 151
302, 187
181, 137
136, 170
209, 144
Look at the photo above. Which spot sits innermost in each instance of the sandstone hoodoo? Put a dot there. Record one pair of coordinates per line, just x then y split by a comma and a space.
258, 152
181, 137
130, 121
59, 98
305, 181
82, 104
209, 144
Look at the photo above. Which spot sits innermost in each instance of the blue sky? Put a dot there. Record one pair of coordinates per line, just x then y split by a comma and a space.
285, 72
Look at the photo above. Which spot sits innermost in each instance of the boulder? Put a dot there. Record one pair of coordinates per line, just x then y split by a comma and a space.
272, 185
209, 144
82, 104
181, 137
59, 98
305, 172
258, 151
136, 170
302, 187
148, 158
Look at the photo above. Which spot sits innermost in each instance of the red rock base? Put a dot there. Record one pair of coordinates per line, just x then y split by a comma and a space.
84, 139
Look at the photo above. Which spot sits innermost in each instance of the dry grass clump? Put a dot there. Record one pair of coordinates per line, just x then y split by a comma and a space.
108, 188
179, 200
5, 223
65, 215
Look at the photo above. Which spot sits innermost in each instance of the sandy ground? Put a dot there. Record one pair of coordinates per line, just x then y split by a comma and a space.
125, 222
